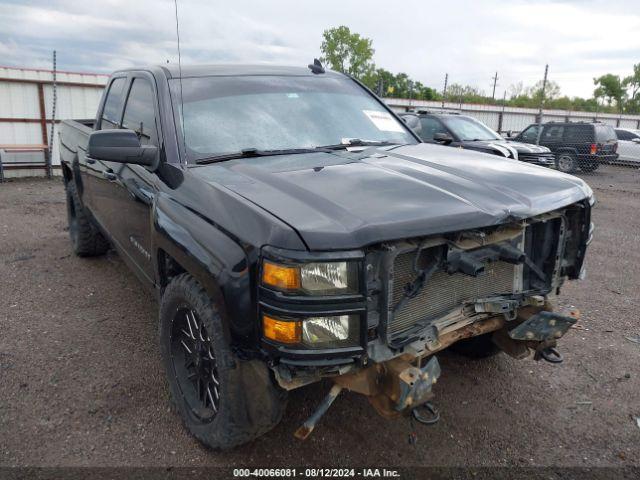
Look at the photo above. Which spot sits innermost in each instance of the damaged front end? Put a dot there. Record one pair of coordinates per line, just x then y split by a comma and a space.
420, 296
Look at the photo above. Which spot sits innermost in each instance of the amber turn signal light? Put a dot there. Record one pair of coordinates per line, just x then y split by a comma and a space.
283, 331
280, 276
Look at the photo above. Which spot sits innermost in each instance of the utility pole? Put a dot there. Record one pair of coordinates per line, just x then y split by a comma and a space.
444, 90
495, 82
544, 87
501, 115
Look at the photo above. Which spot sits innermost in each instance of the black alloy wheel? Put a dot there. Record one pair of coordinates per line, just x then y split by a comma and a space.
194, 364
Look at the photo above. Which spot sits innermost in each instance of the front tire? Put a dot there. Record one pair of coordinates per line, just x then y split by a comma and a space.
223, 401
566, 162
86, 239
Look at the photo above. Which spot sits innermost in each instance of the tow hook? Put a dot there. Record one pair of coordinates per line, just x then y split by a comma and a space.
432, 419
549, 354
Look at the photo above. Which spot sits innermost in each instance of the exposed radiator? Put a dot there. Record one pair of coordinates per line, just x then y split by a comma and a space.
443, 292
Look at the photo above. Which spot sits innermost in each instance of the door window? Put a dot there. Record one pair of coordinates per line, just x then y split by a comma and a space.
113, 105
139, 112
530, 135
623, 135
431, 126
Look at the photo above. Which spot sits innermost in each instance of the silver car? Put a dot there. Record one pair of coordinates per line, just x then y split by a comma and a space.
628, 145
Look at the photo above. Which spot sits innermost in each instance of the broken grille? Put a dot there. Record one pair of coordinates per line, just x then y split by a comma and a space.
443, 292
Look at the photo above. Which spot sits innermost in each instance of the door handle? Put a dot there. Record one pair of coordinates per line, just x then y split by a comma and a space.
109, 175
138, 192
90, 160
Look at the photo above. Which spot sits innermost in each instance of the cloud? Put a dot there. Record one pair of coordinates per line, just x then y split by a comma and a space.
467, 39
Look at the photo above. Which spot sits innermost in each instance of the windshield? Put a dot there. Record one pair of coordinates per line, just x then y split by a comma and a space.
467, 129
229, 114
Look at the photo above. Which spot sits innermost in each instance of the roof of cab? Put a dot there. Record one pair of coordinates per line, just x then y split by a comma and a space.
174, 71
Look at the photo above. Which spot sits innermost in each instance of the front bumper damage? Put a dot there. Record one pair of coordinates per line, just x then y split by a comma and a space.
398, 386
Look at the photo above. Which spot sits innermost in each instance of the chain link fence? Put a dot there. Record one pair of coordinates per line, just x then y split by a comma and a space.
578, 140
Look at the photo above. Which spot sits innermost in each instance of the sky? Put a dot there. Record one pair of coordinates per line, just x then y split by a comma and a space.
470, 40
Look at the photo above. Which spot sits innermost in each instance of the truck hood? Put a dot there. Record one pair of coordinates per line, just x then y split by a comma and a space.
504, 147
352, 199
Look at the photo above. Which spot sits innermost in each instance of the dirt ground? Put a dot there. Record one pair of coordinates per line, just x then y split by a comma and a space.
81, 382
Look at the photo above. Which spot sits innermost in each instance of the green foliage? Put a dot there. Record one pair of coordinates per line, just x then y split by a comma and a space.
610, 87
351, 53
347, 52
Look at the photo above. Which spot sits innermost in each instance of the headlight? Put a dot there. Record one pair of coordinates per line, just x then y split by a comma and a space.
313, 332
317, 278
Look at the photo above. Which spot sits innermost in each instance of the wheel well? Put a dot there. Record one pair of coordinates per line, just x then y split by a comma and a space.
168, 267
566, 150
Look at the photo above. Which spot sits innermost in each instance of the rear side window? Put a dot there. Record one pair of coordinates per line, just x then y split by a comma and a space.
431, 126
605, 133
139, 113
578, 133
113, 105
552, 133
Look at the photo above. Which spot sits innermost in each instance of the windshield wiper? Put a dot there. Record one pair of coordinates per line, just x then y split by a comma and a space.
356, 142
252, 152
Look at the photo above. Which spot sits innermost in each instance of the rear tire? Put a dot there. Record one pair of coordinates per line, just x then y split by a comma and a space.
566, 162
477, 347
223, 401
86, 239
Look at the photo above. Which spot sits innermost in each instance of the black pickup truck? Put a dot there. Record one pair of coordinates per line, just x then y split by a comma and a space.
294, 229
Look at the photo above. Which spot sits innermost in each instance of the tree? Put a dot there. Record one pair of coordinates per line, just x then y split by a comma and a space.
632, 82
609, 86
551, 92
348, 53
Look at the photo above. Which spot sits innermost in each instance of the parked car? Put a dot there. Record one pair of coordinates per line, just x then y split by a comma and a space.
628, 145
461, 131
293, 228
583, 145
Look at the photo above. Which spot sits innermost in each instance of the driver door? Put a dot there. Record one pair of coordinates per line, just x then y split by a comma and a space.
137, 187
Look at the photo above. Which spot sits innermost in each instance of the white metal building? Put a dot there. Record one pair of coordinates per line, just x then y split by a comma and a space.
26, 101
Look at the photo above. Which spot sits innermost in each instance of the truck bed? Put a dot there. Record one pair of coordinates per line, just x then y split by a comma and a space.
74, 135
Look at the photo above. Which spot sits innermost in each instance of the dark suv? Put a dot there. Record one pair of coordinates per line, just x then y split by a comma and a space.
462, 131
575, 144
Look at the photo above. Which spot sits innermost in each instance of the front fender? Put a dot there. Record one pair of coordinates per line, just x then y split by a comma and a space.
221, 264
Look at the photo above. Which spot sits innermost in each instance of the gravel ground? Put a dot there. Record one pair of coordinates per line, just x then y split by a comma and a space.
81, 382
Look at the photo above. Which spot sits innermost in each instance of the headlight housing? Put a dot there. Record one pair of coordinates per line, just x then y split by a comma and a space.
313, 332
314, 278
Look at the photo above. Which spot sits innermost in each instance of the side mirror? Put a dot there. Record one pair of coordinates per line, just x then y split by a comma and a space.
121, 146
443, 138
413, 122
